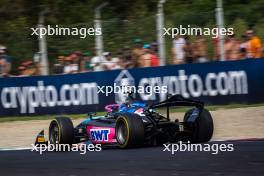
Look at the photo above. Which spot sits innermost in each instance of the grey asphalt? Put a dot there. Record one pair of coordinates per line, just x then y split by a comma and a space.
246, 159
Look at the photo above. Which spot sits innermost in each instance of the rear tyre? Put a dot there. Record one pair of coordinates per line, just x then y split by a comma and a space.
61, 131
203, 126
129, 131
187, 114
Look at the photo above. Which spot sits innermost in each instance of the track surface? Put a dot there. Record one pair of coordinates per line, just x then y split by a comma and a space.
247, 159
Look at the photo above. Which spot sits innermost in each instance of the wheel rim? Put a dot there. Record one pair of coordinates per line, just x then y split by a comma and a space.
122, 133
54, 133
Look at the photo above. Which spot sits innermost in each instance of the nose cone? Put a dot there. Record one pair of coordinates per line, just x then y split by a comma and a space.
40, 139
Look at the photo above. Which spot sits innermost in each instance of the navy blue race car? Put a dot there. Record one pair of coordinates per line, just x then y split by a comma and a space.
135, 124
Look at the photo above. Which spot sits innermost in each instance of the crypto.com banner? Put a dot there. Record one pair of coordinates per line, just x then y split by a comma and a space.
213, 83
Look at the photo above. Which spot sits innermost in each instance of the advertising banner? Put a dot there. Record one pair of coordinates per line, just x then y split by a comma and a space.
214, 83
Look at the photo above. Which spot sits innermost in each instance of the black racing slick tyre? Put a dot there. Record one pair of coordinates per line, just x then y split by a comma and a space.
61, 131
203, 126
129, 131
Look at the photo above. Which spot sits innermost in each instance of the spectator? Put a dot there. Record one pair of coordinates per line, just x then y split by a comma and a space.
122, 62
59, 66
149, 58
96, 62
8, 60
154, 52
2, 63
78, 59
188, 51
117, 61
254, 44
126, 60
110, 63
21, 70
244, 47
86, 65
200, 50
71, 66
137, 52
232, 48
145, 58
154, 47
29, 68
75, 64
67, 68
154, 60
178, 52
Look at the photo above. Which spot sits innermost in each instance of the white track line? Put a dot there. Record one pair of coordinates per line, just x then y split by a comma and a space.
237, 140
15, 148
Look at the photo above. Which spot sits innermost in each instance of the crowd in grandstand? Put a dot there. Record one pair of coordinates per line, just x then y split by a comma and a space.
184, 51
142, 55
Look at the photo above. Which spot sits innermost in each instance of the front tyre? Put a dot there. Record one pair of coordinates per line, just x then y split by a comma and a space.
129, 131
61, 131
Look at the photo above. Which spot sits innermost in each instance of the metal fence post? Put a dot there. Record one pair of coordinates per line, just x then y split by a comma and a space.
220, 24
160, 37
43, 45
97, 25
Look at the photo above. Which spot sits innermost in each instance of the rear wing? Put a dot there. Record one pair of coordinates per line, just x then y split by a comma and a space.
178, 100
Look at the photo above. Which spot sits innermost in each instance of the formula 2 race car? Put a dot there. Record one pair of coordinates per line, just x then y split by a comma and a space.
135, 124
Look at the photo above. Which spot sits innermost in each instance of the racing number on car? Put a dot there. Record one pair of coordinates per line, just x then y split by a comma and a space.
99, 134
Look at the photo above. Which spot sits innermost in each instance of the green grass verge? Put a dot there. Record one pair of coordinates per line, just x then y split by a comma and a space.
77, 116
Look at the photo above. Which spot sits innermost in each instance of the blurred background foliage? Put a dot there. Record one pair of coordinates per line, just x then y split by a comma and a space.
123, 21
